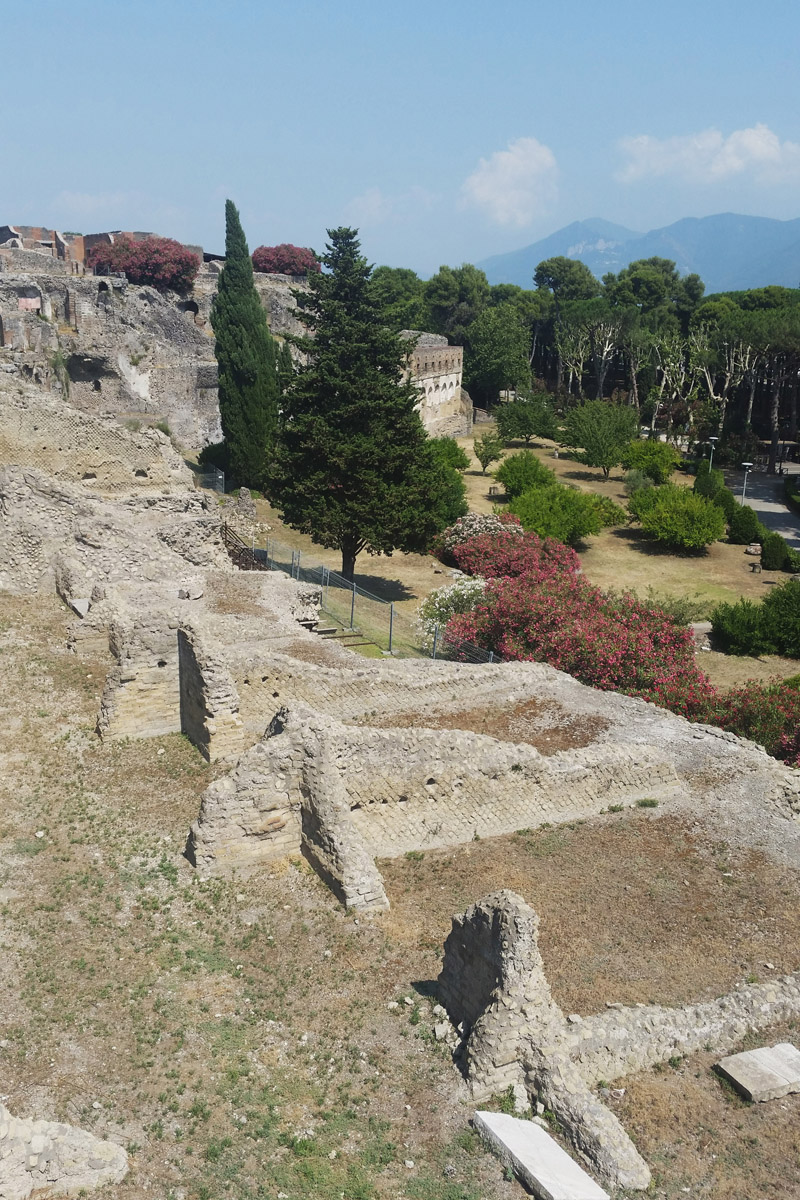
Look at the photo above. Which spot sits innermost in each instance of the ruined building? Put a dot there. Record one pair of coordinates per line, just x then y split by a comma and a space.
119, 350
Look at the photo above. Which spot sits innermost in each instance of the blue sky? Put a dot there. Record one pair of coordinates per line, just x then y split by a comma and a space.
445, 131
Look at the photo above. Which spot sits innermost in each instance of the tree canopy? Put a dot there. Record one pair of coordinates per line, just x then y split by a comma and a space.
355, 468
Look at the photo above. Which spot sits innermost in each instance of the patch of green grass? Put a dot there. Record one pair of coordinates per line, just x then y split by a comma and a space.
647, 802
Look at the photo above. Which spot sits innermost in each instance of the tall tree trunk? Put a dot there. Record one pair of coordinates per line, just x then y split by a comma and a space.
350, 549
753, 380
774, 419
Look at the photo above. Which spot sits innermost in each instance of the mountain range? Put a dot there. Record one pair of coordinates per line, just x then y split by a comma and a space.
728, 251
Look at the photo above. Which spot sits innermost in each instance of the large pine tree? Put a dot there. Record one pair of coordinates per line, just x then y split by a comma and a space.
354, 467
246, 357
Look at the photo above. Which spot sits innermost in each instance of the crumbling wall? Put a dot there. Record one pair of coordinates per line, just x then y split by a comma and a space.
368, 792
494, 987
209, 702
141, 697
43, 431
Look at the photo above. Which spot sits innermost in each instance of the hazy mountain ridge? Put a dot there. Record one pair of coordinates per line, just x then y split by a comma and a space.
728, 251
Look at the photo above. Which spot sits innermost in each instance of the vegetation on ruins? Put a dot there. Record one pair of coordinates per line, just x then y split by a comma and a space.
160, 262
285, 259
354, 467
246, 358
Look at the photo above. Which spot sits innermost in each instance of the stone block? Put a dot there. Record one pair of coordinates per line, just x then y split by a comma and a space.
536, 1159
764, 1074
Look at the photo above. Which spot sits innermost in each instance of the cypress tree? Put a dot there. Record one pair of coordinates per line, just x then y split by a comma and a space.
354, 467
246, 358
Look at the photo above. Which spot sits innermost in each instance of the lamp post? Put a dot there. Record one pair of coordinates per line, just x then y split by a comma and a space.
713, 441
747, 466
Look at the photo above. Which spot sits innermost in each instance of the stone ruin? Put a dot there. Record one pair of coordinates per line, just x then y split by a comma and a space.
494, 988
339, 759
46, 1158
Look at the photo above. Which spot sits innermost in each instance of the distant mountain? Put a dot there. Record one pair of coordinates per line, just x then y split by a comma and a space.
728, 252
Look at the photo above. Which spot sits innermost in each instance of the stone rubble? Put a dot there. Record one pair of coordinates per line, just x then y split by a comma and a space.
39, 1158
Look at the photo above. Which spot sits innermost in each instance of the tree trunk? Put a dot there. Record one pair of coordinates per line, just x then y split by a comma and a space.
774, 419
350, 550
751, 398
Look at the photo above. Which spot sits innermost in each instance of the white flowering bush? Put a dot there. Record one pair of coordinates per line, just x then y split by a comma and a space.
470, 526
437, 609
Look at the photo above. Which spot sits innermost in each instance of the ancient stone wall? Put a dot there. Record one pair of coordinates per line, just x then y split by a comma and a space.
40, 430
437, 369
494, 987
401, 790
209, 702
142, 697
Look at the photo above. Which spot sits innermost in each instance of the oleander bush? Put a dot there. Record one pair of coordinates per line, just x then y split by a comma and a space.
161, 262
285, 259
507, 554
470, 526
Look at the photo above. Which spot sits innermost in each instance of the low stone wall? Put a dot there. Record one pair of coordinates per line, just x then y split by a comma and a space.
209, 702
399, 790
46, 1158
141, 697
495, 990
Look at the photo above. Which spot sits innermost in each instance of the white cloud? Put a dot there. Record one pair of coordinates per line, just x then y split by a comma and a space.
709, 157
516, 185
374, 207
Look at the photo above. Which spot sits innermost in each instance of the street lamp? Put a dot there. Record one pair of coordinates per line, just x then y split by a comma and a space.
747, 467
713, 441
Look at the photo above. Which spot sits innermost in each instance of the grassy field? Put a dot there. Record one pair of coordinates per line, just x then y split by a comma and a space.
619, 559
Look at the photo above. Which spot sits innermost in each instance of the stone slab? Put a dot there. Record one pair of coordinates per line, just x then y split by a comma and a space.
536, 1159
764, 1074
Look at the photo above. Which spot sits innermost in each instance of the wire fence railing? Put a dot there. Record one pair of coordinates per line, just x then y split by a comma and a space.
353, 610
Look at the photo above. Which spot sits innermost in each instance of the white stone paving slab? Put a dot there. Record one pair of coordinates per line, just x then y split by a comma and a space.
536, 1159
765, 1074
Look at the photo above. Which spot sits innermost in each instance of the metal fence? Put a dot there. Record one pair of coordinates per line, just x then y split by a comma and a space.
213, 480
352, 610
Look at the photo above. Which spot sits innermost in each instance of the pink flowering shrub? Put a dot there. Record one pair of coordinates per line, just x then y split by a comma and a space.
507, 554
285, 259
160, 262
470, 526
613, 643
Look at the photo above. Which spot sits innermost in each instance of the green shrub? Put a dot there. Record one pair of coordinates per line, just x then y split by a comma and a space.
725, 500
708, 483
636, 481
564, 513
781, 618
451, 453
744, 526
214, 455
680, 519
488, 449
642, 500
520, 472
657, 460
774, 552
740, 629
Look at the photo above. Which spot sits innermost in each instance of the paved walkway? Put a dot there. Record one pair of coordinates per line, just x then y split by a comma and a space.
765, 495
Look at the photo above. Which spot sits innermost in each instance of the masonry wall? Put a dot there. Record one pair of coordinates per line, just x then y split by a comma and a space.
142, 692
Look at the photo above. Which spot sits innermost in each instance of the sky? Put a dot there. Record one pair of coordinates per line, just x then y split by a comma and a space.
444, 130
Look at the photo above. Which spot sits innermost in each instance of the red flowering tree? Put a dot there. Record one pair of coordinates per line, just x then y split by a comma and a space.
161, 262
285, 259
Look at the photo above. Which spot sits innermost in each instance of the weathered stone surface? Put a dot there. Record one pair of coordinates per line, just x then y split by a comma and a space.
536, 1159
764, 1074
45, 1158
494, 987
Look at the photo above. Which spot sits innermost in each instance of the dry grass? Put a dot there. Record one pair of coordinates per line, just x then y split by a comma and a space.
234, 1033
549, 727
182, 1005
